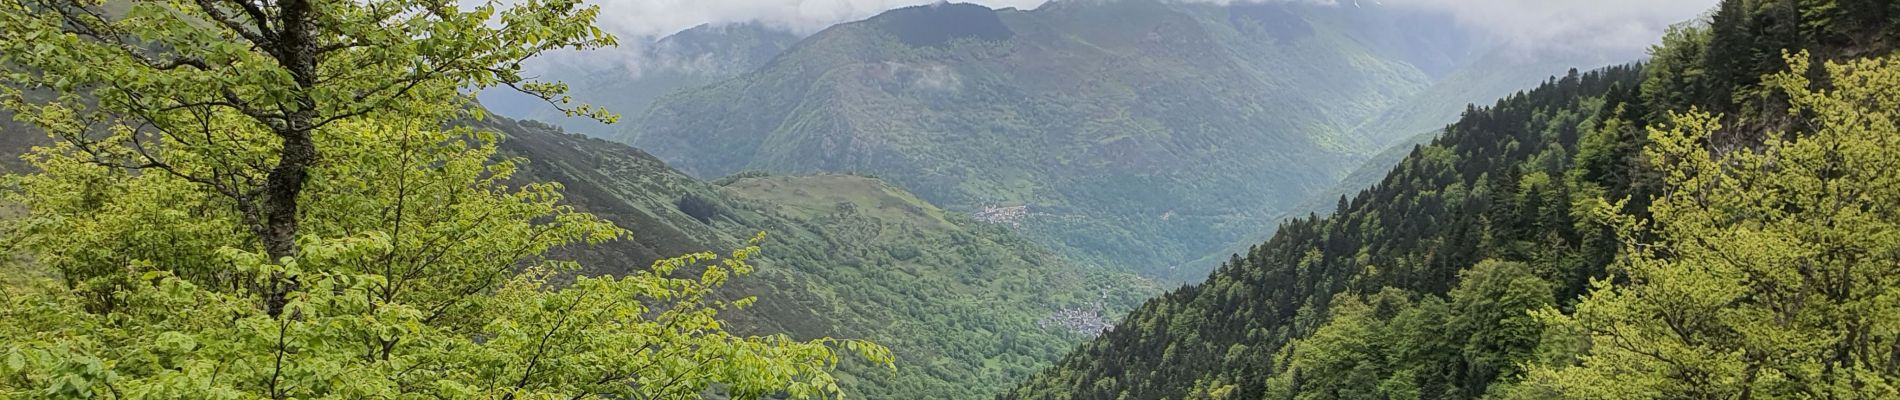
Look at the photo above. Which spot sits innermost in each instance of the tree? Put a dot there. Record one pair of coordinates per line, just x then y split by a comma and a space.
1490, 315
1773, 270
1346, 358
264, 199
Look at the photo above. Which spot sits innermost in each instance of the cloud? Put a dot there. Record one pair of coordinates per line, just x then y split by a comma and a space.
1606, 29
653, 18
640, 23
933, 77
1608, 25
1601, 26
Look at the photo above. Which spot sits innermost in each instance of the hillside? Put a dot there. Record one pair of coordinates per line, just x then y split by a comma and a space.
1140, 134
627, 81
962, 303
1421, 286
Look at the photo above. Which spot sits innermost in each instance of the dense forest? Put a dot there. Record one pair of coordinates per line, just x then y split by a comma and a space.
1713, 223
271, 200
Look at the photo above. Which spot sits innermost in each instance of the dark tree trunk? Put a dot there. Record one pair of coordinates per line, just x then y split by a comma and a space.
296, 51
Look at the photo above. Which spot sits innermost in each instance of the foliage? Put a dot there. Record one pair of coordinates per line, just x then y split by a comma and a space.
413, 283
1771, 270
260, 200
269, 76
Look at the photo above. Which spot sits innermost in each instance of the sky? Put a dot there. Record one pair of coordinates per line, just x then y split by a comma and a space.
1615, 25
1609, 24
644, 18
1600, 30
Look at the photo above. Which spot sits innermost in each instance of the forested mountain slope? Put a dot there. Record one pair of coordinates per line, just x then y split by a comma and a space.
1140, 134
1423, 285
965, 305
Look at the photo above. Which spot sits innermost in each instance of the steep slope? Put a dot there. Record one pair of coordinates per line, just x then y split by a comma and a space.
1492, 77
1140, 134
964, 304
1418, 286
1429, 218
628, 83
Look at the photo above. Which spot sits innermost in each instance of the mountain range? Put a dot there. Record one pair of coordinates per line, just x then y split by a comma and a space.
1141, 135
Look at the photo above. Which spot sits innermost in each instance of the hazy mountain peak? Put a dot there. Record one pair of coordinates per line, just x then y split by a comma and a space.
939, 23
626, 81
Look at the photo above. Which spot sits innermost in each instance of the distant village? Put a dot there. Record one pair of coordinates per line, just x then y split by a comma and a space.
1082, 321
1087, 321
1002, 215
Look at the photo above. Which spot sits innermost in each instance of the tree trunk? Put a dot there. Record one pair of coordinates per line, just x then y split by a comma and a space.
296, 52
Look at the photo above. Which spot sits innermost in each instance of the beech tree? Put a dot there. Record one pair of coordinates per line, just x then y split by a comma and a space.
262, 198
1773, 270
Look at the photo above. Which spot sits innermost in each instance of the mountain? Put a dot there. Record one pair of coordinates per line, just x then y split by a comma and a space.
1324, 202
627, 81
1494, 75
969, 307
1424, 285
1139, 134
